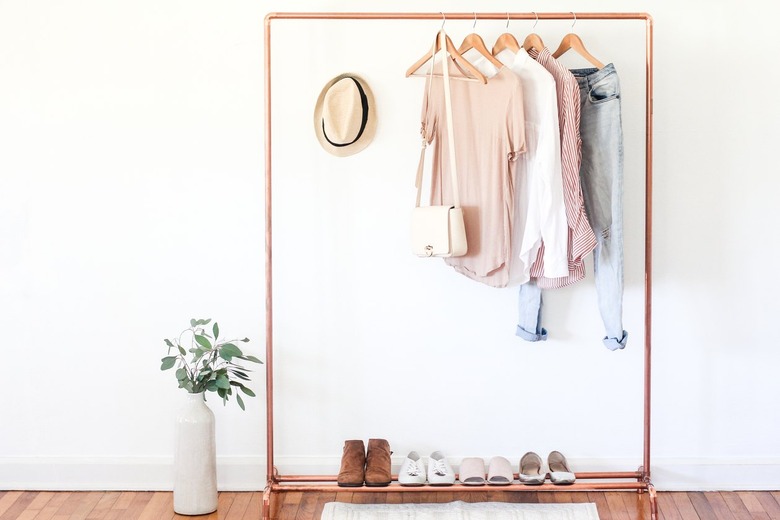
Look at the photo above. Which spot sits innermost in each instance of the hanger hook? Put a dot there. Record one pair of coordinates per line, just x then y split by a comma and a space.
536, 21
443, 19
575, 19
473, 27
507, 20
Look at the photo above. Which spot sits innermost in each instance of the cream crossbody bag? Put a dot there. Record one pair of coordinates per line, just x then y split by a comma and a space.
439, 231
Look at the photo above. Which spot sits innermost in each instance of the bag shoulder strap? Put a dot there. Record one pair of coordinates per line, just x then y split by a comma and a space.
450, 130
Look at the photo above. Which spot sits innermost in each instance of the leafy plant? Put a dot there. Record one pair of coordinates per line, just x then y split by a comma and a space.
211, 365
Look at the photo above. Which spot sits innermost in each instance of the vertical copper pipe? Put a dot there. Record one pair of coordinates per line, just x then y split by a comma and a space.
269, 312
648, 240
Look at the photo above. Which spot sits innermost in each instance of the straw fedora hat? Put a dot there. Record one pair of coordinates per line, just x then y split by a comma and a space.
345, 115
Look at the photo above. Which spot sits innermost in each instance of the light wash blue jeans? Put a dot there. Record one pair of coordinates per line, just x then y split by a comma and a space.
601, 177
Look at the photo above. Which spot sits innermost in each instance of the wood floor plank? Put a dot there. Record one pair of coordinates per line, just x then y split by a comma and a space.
104, 505
617, 507
137, 506
21, 503
70, 505
87, 503
409, 498
224, 501
735, 505
434, 497
443, 497
701, 505
528, 497
8, 499
684, 505
50, 509
393, 498
718, 504
254, 510
290, 504
771, 506
111, 514
667, 507
563, 497
158, 506
307, 506
545, 497
346, 496
41, 500
579, 497
602, 506
760, 516
376, 498
28, 514
238, 507
637, 505
751, 502
363, 498
324, 498
124, 500
37, 504
476, 496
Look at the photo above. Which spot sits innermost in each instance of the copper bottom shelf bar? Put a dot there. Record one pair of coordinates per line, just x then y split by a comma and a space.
585, 475
394, 487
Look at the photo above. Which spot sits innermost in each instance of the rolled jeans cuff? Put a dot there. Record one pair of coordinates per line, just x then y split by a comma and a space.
531, 336
614, 343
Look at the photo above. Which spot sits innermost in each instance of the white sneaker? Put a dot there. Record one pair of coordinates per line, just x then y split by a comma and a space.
440, 472
412, 472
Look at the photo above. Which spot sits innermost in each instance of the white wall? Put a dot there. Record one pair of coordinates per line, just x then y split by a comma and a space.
132, 199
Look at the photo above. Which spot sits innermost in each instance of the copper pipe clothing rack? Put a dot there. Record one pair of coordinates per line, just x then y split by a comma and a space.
639, 479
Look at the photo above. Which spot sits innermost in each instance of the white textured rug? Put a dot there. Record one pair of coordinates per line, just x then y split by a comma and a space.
459, 511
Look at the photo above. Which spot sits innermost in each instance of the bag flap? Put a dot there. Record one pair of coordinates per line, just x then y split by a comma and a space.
430, 230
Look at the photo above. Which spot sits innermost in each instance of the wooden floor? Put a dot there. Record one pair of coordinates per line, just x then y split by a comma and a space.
115, 505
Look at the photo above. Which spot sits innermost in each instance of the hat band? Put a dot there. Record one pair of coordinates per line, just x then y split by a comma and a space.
364, 103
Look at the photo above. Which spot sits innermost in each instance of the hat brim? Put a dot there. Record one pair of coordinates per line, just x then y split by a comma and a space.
368, 131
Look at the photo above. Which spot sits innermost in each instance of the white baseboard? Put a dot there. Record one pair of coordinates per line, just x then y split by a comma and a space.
248, 473
120, 474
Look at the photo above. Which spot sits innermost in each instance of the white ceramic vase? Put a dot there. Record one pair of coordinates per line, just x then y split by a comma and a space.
195, 459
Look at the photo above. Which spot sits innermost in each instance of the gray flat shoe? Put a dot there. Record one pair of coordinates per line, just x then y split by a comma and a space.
531, 469
559, 469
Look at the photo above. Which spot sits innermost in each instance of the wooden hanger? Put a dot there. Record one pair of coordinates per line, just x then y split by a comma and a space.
474, 41
463, 64
533, 41
572, 41
505, 41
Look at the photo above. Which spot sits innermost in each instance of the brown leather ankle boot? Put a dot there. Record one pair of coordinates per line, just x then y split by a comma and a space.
353, 464
378, 463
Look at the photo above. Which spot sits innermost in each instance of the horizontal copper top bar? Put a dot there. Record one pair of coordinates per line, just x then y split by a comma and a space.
457, 16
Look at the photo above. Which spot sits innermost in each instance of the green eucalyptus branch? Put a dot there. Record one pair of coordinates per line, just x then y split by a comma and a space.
208, 365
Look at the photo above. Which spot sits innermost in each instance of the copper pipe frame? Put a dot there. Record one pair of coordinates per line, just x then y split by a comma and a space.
643, 474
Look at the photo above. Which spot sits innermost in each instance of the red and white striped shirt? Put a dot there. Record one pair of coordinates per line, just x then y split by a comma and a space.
581, 238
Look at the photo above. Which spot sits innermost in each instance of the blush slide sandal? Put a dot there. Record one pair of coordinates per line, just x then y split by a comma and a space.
472, 471
500, 472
